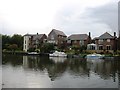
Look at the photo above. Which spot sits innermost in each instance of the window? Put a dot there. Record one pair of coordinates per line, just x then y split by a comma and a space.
108, 40
75, 41
100, 41
68, 41
81, 42
100, 47
108, 47
25, 46
52, 37
25, 41
93, 48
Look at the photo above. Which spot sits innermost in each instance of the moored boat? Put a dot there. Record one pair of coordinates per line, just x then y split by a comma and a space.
94, 56
58, 54
33, 53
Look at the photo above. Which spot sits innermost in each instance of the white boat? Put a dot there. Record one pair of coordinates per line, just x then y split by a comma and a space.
58, 54
94, 56
33, 53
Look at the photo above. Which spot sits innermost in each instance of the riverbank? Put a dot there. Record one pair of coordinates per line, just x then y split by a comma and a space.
82, 55
23, 53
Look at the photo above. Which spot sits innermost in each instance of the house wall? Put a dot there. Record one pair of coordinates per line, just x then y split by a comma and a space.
52, 37
57, 39
105, 43
77, 42
29, 43
43, 38
26, 43
61, 39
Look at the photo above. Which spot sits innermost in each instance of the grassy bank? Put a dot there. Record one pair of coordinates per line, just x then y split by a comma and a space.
15, 52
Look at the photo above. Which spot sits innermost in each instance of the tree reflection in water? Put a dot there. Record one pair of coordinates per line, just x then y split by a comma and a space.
56, 67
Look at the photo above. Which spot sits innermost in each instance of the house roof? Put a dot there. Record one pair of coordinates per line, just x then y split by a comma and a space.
28, 35
37, 36
78, 37
58, 32
106, 35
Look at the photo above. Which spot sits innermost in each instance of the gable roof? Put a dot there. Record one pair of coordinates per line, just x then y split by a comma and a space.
106, 35
37, 36
78, 37
28, 35
58, 32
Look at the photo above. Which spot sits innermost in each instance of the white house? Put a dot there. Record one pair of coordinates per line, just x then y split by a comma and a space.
32, 40
26, 42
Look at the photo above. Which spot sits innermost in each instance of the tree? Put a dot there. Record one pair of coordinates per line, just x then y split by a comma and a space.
82, 48
18, 40
6, 40
13, 47
15, 39
47, 47
76, 49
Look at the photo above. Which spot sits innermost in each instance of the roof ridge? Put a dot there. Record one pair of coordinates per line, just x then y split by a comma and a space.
78, 34
58, 32
105, 35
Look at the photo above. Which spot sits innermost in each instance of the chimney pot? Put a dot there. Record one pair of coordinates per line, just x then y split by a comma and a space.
114, 34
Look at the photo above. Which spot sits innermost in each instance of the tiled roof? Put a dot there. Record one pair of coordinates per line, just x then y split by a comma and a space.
28, 35
37, 36
78, 37
106, 35
59, 32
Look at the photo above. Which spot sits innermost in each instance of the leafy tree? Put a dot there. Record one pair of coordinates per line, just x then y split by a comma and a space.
13, 47
17, 39
31, 50
82, 48
76, 49
6, 40
47, 47
9, 41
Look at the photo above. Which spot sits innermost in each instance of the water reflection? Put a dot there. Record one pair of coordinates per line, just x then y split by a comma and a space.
58, 59
57, 68
106, 69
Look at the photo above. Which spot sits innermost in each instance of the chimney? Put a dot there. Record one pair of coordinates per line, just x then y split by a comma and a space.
114, 34
89, 38
89, 34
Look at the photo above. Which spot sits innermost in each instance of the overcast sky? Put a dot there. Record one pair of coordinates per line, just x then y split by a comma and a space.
69, 16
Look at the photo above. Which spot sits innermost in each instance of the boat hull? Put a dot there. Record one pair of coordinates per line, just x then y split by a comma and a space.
94, 56
58, 54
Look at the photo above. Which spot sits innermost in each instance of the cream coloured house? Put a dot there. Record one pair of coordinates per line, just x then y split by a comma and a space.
33, 40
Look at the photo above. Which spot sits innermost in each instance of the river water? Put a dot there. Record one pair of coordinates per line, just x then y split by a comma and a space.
44, 72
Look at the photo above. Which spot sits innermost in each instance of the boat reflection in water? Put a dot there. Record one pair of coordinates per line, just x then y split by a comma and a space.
58, 54
45, 72
58, 59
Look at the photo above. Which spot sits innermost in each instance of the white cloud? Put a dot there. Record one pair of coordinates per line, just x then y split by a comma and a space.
32, 16
97, 19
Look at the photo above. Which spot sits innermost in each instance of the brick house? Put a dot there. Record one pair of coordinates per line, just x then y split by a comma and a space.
57, 37
106, 41
79, 39
33, 41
